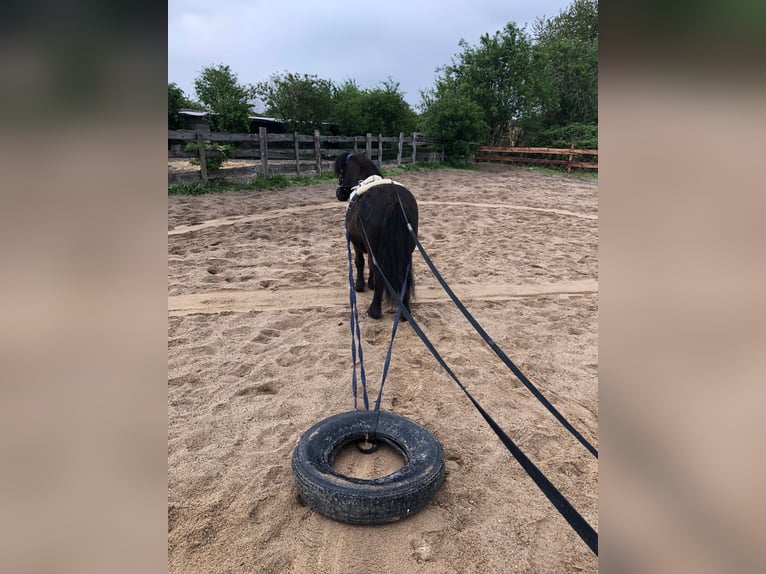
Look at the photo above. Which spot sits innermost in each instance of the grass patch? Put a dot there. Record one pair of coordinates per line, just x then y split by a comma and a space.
198, 188
258, 183
280, 181
583, 174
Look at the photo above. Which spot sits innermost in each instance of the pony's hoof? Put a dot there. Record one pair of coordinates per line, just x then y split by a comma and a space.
374, 314
359, 287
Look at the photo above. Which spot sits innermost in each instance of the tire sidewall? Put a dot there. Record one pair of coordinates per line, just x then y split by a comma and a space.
367, 501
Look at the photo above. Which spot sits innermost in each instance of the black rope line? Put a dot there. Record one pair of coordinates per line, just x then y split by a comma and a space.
495, 348
559, 501
565, 508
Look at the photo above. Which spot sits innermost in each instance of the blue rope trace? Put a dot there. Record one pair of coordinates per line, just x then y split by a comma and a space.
398, 316
357, 337
356, 334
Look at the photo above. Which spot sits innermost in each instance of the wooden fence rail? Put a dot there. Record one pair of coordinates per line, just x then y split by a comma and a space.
295, 153
519, 155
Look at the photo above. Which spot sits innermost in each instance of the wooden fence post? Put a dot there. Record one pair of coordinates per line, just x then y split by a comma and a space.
368, 145
569, 163
356, 144
297, 155
202, 160
401, 148
414, 146
380, 150
264, 146
318, 152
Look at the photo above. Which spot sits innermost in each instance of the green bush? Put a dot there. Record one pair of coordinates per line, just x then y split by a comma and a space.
458, 122
583, 136
211, 161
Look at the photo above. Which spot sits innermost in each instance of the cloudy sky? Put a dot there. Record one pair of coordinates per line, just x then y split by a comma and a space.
367, 42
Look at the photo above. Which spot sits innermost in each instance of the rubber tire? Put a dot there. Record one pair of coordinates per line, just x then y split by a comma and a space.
367, 501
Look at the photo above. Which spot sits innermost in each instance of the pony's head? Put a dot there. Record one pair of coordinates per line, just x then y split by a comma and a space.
351, 169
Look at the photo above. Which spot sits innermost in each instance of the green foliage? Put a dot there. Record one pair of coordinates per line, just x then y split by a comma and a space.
579, 21
495, 76
519, 81
177, 100
276, 181
578, 173
380, 110
218, 154
347, 114
199, 188
457, 121
386, 112
583, 136
567, 57
217, 88
303, 102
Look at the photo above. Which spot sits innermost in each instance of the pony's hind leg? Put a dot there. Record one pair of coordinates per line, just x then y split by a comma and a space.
359, 260
377, 299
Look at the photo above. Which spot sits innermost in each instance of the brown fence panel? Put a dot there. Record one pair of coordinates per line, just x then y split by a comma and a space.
518, 155
298, 150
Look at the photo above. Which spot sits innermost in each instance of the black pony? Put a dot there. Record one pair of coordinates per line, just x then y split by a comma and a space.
376, 223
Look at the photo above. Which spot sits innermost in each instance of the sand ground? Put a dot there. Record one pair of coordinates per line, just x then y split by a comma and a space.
259, 350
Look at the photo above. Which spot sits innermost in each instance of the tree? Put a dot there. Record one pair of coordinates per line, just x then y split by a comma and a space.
381, 110
545, 82
385, 110
567, 50
218, 89
303, 102
579, 21
454, 119
177, 100
495, 75
347, 109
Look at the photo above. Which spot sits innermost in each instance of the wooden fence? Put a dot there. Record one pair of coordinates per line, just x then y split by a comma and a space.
520, 155
295, 154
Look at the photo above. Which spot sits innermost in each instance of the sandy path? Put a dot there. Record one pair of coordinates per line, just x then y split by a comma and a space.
244, 301
231, 220
259, 350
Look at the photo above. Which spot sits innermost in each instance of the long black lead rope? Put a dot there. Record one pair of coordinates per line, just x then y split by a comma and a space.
570, 514
497, 350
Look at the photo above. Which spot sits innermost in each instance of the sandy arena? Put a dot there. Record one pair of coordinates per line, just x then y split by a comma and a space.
259, 349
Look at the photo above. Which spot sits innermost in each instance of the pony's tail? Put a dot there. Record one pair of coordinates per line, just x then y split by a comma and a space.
396, 253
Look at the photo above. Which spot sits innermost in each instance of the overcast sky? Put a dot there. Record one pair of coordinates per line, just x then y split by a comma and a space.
363, 41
